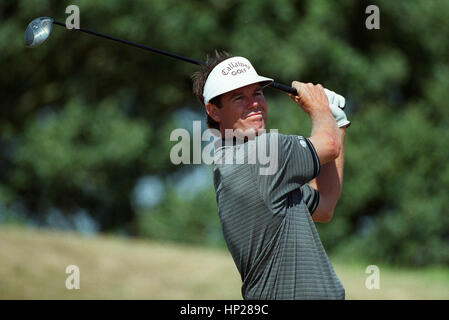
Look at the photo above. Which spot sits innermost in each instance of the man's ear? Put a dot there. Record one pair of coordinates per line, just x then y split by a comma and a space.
213, 111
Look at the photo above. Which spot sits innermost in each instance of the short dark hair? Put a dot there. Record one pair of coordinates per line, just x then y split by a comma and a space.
199, 80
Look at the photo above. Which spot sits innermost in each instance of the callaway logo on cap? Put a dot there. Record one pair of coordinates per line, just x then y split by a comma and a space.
231, 74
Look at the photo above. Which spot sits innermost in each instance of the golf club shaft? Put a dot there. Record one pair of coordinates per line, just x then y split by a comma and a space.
275, 85
165, 53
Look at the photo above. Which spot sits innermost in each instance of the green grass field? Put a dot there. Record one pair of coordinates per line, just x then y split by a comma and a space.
33, 264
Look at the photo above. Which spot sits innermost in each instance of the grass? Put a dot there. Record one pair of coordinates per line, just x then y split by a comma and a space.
33, 264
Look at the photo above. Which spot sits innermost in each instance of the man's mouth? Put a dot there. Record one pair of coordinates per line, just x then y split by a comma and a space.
253, 114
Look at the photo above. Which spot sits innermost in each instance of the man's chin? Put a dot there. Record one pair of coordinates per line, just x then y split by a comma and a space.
259, 128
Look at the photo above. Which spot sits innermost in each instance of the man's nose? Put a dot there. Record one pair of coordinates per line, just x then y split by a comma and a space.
253, 103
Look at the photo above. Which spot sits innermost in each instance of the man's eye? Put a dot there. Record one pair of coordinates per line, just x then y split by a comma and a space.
258, 93
238, 98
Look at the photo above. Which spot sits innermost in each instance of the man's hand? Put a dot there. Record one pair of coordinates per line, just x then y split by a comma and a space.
325, 136
311, 98
336, 104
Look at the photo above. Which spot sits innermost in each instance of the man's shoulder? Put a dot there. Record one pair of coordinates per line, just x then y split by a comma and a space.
279, 141
229, 151
280, 136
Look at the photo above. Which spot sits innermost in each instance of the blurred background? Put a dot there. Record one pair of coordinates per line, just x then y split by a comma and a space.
86, 176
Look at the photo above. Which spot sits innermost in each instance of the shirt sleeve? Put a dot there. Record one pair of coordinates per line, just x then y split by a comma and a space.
297, 164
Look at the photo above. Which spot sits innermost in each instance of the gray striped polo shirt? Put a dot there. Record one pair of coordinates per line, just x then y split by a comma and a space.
266, 218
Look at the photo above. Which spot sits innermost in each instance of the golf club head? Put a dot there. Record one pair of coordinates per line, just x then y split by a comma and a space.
38, 31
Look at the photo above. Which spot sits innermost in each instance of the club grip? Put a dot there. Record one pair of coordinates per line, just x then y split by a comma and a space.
284, 88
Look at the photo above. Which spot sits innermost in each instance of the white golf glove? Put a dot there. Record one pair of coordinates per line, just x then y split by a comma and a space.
337, 104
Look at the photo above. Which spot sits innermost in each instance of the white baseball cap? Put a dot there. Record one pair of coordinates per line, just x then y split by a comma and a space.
231, 74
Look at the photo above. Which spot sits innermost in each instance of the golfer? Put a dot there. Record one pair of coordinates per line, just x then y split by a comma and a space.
268, 217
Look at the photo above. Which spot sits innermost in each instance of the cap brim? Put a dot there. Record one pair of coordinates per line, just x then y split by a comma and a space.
262, 80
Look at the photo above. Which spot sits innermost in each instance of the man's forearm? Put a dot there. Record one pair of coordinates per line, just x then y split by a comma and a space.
312, 100
329, 184
325, 137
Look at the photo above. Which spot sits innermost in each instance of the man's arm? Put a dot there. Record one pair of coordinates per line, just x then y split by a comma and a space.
325, 136
329, 184
328, 141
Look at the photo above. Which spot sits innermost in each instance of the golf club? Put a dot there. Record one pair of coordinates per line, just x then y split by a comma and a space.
39, 30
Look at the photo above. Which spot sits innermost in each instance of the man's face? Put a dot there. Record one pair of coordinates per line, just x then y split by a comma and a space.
243, 109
